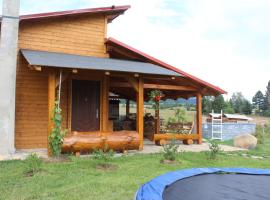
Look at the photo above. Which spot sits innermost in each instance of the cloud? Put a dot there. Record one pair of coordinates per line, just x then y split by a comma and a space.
225, 42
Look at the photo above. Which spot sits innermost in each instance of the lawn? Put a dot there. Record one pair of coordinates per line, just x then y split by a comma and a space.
79, 178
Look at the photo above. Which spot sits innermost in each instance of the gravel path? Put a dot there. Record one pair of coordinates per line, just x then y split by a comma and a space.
150, 147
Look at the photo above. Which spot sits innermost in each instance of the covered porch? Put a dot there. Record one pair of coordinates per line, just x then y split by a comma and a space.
89, 88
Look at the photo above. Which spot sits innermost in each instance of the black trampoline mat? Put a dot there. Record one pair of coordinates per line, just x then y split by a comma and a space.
220, 187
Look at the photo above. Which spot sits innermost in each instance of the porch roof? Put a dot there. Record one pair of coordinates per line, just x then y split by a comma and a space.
61, 60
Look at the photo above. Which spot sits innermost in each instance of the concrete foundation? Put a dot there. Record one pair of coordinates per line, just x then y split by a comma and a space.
8, 64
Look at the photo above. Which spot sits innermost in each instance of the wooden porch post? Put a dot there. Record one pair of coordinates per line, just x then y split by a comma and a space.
199, 117
157, 120
127, 107
51, 102
105, 104
140, 111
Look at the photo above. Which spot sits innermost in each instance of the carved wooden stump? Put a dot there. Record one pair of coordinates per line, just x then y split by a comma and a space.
188, 141
161, 142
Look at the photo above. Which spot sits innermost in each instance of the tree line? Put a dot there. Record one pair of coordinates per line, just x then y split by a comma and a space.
239, 104
236, 104
261, 102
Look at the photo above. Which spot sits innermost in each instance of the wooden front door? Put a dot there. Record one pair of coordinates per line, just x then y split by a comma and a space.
85, 105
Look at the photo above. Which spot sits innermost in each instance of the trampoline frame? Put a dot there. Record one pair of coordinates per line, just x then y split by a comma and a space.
153, 189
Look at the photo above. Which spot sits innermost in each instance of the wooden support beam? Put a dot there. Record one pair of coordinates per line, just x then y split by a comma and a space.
133, 82
120, 85
154, 86
157, 120
51, 102
105, 104
169, 87
35, 67
199, 117
74, 71
140, 110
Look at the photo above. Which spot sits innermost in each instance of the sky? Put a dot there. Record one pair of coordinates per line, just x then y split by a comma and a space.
224, 42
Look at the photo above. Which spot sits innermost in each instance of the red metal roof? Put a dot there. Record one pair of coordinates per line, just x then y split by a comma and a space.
165, 65
112, 11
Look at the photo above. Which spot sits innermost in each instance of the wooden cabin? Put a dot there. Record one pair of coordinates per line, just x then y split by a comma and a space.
229, 118
71, 50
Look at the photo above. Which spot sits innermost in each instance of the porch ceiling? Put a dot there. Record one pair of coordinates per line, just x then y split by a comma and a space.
61, 60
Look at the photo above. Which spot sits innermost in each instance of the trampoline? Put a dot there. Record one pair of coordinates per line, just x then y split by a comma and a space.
208, 184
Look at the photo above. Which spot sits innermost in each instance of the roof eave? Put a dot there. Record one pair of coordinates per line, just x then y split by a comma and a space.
112, 10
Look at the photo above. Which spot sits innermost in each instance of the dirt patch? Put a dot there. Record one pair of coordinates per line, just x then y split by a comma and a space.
30, 173
33, 173
106, 167
170, 162
60, 159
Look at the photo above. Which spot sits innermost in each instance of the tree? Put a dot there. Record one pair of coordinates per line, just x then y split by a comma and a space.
218, 103
236, 101
267, 98
258, 102
207, 104
228, 108
246, 107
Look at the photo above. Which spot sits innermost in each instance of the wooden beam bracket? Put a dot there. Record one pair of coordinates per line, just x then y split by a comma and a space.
133, 82
35, 67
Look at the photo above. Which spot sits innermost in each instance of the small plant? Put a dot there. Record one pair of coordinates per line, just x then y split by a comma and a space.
180, 115
104, 156
259, 134
33, 164
57, 135
214, 149
170, 151
171, 120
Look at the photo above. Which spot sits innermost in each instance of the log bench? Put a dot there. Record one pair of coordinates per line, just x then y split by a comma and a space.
162, 138
179, 131
88, 142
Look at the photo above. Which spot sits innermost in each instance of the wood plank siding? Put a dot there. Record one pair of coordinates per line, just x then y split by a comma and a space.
81, 35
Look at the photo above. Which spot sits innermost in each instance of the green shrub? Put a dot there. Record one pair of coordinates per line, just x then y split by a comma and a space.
170, 151
259, 134
33, 164
214, 149
180, 115
267, 129
104, 155
171, 120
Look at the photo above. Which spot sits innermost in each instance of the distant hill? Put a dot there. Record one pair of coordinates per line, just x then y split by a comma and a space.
182, 101
191, 100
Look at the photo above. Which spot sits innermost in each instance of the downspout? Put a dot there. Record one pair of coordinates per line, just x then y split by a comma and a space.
8, 65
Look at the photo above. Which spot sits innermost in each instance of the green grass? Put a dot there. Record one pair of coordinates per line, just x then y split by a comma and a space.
260, 150
227, 142
79, 179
